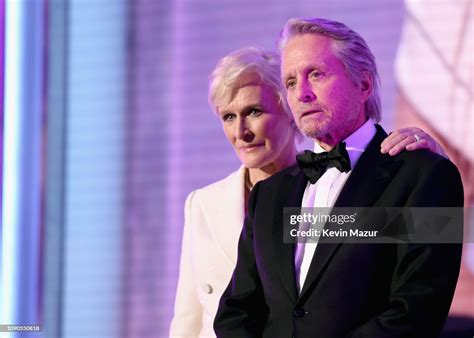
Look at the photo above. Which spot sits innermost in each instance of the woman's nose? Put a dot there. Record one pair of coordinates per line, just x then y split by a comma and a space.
243, 131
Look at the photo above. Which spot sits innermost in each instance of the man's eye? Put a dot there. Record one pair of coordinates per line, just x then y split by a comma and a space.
255, 112
228, 117
316, 74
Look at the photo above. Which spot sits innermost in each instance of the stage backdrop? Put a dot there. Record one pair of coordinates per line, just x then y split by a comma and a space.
119, 132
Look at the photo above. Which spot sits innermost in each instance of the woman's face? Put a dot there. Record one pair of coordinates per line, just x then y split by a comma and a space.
257, 127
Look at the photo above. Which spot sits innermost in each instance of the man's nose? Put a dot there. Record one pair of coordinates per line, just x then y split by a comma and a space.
305, 92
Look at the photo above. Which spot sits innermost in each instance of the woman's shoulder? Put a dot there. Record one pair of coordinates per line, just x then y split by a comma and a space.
217, 201
231, 184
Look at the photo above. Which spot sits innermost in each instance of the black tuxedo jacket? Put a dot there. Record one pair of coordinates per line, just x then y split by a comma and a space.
351, 290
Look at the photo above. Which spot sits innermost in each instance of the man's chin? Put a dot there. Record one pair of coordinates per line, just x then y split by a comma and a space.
312, 131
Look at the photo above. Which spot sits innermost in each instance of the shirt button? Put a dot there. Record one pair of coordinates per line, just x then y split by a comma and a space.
298, 312
207, 288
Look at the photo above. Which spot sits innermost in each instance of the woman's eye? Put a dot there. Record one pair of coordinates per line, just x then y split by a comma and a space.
228, 117
290, 84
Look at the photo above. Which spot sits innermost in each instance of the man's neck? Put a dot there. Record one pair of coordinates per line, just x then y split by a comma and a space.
328, 142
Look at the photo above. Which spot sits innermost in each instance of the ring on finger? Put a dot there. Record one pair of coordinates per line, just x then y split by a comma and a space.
417, 138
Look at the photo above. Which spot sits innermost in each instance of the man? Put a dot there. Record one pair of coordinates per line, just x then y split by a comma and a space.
331, 290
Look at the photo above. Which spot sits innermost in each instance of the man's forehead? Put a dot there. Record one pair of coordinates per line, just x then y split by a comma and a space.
305, 63
307, 43
308, 50
290, 67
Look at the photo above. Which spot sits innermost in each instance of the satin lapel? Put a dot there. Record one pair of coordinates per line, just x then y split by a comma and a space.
367, 181
290, 194
370, 176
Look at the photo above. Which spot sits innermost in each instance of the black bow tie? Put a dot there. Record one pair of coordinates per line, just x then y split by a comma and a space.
315, 165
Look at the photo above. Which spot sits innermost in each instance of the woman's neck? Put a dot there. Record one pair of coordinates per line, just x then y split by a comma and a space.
287, 159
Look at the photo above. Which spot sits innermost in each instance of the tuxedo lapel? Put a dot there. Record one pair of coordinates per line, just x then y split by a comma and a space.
369, 177
367, 181
290, 193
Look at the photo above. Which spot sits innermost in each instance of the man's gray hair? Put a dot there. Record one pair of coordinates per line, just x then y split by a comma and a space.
349, 47
233, 70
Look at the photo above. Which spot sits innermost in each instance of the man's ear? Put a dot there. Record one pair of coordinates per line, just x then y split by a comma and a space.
365, 86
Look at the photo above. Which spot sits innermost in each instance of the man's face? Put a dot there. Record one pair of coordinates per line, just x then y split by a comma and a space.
256, 126
326, 104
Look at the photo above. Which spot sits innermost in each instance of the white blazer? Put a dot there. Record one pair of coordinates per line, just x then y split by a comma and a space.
214, 217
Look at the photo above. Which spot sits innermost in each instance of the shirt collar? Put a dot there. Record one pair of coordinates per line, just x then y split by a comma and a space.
356, 142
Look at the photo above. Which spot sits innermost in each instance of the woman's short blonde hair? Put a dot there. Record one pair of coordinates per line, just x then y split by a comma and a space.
233, 72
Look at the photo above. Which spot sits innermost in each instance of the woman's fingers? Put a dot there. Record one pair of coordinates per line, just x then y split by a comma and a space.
410, 138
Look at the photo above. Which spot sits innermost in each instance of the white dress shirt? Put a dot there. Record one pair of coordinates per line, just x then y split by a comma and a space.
326, 190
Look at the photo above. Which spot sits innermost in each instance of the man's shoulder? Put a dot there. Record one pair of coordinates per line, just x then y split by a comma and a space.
281, 176
423, 166
423, 159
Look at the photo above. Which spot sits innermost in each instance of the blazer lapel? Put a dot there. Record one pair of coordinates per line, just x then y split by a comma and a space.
366, 183
227, 222
290, 195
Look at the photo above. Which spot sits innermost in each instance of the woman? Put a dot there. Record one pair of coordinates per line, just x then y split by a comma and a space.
246, 93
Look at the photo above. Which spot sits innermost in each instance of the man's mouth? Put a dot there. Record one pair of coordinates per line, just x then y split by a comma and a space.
310, 112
